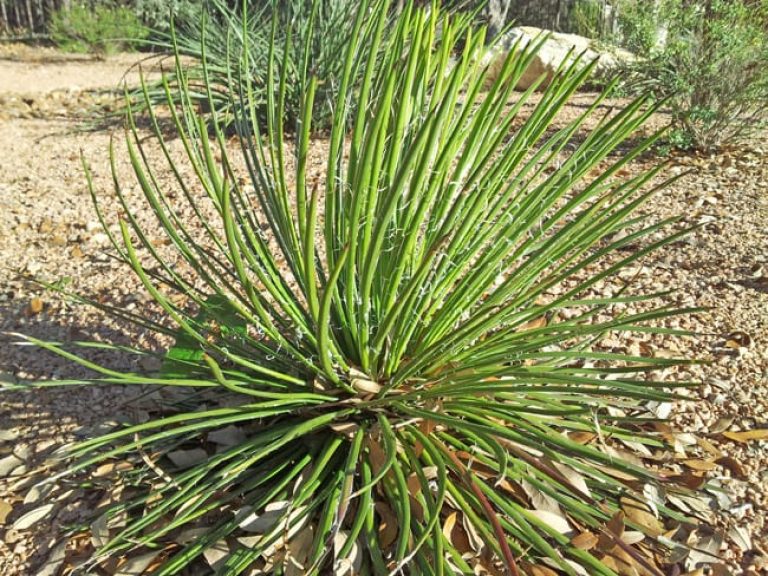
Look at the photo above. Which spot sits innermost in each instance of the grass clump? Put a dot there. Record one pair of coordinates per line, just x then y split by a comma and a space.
400, 347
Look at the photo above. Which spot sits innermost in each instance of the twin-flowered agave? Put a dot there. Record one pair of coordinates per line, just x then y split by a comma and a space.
402, 341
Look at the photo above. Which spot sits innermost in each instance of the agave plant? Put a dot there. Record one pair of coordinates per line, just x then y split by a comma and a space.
298, 33
400, 346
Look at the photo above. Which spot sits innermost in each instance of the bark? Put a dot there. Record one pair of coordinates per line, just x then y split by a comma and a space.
4, 17
40, 10
497, 15
30, 16
17, 14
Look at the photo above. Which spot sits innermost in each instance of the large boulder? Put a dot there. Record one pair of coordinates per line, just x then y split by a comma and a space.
555, 49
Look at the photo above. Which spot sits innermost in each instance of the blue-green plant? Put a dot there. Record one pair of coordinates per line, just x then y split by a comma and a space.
395, 353
298, 34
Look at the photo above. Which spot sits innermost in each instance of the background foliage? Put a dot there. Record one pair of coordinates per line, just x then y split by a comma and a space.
708, 60
102, 29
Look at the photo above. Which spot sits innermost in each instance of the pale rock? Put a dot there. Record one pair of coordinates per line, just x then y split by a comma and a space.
93, 226
555, 49
100, 239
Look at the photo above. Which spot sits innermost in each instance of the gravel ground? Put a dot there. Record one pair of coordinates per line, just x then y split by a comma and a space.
48, 230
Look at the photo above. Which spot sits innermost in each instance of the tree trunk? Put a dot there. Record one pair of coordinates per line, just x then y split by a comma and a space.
40, 13
4, 16
30, 16
496, 14
16, 14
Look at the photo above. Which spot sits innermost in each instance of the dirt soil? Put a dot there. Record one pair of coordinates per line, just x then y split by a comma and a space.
49, 231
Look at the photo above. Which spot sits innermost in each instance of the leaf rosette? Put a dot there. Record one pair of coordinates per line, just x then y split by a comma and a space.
391, 363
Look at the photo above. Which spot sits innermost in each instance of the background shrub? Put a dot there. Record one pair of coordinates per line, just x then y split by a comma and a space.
158, 14
641, 28
709, 59
587, 18
103, 28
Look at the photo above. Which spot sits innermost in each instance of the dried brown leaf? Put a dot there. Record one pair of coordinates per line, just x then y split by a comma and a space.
582, 437
748, 435
585, 541
387, 525
537, 570
700, 465
709, 447
454, 531
426, 427
414, 484
642, 515
376, 455
539, 322
35, 306
738, 339
5, 509
733, 465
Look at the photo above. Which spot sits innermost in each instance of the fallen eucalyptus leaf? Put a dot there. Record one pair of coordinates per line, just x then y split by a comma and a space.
32, 517
349, 565
642, 515
721, 425
748, 435
55, 559
5, 509
705, 551
297, 554
553, 520
136, 565
229, 436
740, 536
9, 464
100, 531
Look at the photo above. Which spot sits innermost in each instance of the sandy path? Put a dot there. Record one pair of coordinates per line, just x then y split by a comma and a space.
25, 70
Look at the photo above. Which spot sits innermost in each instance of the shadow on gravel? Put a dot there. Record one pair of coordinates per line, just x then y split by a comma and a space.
54, 318
46, 408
